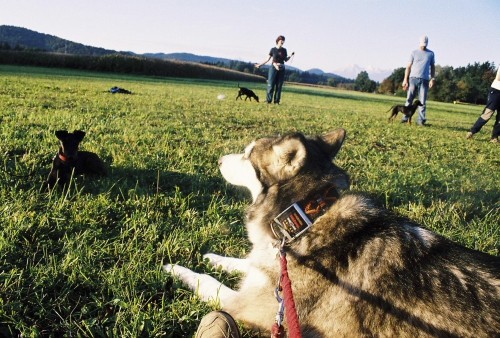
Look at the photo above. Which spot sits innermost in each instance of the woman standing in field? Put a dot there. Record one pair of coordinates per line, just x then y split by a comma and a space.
276, 75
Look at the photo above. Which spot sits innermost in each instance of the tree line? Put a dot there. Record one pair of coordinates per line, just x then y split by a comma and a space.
119, 63
465, 84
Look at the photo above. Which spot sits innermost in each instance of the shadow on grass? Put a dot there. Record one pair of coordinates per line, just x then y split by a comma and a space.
150, 182
119, 181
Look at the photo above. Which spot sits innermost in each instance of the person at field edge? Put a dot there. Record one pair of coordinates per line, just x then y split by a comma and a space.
492, 104
419, 77
276, 75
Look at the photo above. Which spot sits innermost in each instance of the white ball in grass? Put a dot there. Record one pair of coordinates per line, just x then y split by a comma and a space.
221, 97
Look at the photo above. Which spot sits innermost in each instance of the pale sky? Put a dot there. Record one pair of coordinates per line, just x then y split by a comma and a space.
328, 34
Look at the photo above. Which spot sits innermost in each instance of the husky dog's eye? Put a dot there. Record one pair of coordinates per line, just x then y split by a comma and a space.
248, 150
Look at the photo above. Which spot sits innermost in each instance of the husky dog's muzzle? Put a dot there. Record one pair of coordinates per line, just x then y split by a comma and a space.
238, 170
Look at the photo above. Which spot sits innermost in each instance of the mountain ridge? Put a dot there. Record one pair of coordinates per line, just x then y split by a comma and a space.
20, 37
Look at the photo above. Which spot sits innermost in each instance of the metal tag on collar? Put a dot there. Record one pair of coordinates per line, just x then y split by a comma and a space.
291, 223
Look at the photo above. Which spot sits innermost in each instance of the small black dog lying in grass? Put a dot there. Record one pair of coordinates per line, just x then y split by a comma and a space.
406, 110
248, 94
119, 90
69, 158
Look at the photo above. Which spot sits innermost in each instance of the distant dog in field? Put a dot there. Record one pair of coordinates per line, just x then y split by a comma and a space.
356, 269
69, 159
115, 90
247, 93
408, 111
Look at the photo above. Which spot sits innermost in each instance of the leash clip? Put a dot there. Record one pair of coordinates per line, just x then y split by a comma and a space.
281, 307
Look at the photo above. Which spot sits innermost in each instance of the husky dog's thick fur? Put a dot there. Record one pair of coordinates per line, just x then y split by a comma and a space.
359, 270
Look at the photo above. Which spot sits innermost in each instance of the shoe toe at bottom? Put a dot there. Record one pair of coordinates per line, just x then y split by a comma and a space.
218, 324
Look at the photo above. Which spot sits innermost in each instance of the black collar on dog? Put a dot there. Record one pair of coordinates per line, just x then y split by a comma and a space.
300, 216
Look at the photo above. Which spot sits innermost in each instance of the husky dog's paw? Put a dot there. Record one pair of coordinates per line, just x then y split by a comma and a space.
169, 268
184, 274
206, 287
228, 264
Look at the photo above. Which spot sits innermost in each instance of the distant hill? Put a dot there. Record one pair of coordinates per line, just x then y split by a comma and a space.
12, 37
199, 59
23, 38
317, 71
188, 57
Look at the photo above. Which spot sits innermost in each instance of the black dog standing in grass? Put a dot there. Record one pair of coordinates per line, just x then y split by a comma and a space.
248, 93
408, 111
69, 158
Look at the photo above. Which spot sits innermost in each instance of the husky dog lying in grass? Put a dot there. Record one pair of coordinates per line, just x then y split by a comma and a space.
357, 270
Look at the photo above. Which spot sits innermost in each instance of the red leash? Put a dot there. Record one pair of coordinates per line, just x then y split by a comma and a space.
292, 318
289, 225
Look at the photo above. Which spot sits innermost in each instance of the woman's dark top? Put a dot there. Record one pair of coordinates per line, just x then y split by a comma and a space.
279, 55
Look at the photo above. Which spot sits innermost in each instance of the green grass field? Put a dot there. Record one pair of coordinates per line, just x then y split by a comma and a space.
87, 262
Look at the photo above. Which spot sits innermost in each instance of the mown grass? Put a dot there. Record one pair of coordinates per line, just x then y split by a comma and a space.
87, 261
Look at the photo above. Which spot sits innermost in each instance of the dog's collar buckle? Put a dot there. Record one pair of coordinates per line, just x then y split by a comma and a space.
300, 216
291, 223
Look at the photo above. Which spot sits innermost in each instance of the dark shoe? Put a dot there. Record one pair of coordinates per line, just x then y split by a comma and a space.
404, 121
423, 124
218, 324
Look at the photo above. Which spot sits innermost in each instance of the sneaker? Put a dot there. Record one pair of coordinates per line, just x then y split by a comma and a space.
469, 135
218, 324
404, 121
494, 140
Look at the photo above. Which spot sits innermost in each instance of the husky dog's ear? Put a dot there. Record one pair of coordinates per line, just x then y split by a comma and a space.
61, 134
79, 134
290, 155
333, 141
